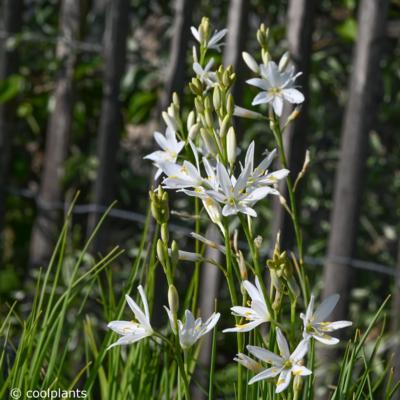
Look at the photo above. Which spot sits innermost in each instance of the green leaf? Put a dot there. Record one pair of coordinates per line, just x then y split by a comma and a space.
10, 87
348, 30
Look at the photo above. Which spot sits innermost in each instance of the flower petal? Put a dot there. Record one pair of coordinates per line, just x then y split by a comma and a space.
265, 355
261, 98
300, 351
283, 380
282, 344
293, 96
300, 370
268, 373
277, 105
326, 307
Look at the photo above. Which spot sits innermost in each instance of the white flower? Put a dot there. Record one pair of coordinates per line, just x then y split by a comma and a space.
191, 330
256, 314
213, 42
285, 365
132, 331
248, 362
170, 149
315, 324
205, 74
277, 86
260, 176
234, 193
181, 176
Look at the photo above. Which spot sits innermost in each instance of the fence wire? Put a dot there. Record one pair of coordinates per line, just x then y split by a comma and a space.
131, 216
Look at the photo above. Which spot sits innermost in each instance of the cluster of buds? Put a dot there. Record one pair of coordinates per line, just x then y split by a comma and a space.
204, 31
214, 115
172, 116
281, 271
159, 205
263, 38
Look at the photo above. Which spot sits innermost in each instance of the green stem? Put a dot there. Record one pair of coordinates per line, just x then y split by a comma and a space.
234, 299
197, 250
276, 129
178, 358
256, 260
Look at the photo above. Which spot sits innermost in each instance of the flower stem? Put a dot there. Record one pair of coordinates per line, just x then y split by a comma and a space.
256, 260
277, 131
234, 300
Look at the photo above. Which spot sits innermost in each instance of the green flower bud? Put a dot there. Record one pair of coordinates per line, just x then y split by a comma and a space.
224, 126
194, 130
161, 252
164, 233
230, 104
216, 98
159, 205
174, 254
173, 299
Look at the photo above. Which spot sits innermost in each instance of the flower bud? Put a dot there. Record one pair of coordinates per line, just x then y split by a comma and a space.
174, 254
258, 241
160, 252
173, 299
250, 62
171, 123
209, 118
199, 105
216, 98
231, 146
213, 210
164, 233
242, 266
159, 205
230, 104
191, 120
175, 99
193, 131
224, 125
284, 62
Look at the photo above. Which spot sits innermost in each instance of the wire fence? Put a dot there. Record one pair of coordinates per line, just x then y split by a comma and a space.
131, 216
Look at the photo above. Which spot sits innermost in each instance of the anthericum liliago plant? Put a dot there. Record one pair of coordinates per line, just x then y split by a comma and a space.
199, 157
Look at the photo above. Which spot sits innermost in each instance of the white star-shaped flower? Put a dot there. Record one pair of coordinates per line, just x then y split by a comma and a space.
256, 314
277, 86
315, 324
170, 149
213, 42
191, 330
132, 331
285, 365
